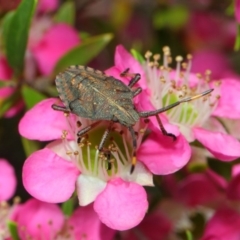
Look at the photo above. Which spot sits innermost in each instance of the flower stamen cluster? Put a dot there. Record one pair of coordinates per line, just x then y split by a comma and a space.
168, 86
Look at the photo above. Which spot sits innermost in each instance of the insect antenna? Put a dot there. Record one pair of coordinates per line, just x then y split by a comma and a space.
164, 109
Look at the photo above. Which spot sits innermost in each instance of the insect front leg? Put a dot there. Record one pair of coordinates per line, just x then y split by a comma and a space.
137, 91
83, 131
60, 108
135, 77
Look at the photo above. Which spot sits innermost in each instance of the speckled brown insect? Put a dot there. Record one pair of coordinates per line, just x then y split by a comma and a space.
89, 93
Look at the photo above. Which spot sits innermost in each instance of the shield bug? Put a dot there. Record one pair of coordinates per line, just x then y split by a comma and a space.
91, 94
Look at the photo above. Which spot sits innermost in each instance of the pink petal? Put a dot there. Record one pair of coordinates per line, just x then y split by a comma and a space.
233, 190
8, 181
57, 41
122, 205
162, 155
15, 109
224, 225
237, 10
214, 60
36, 219
198, 189
222, 146
235, 170
47, 5
85, 222
48, 177
42, 122
160, 230
5, 71
228, 104
5, 74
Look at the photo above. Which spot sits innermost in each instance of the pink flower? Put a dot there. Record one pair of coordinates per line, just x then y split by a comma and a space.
40, 220
57, 40
213, 60
224, 224
85, 224
8, 181
193, 119
5, 214
53, 173
237, 10
205, 27
155, 226
36, 219
5, 92
47, 5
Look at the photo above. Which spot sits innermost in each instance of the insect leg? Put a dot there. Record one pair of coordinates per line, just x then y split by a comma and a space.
104, 137
106, 152
83, 131
59, 108
134, 159
135, 77
164, 131
137, 91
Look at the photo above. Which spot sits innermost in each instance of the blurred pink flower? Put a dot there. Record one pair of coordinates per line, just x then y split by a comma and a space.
212, 60
155, 226
163, 86
224, 224
41, 220
56, 41
205, 27
237, 10
5, 214
36, 219
5, 92
45, 6
8, 181
85, 223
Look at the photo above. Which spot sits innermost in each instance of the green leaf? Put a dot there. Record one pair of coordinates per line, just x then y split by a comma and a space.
137, 56
83, 53
230, 9
12, 226
67, 207
237, 40
17, 34
189, 235
31, 96
6, 22
7, 103
30, 146
174, 17
84, 35
223, 169
4, 83
66, 13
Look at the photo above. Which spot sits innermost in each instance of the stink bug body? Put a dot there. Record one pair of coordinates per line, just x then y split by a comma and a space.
89, 93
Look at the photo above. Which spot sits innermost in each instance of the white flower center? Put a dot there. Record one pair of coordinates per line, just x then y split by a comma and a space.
86, 156
168, 86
